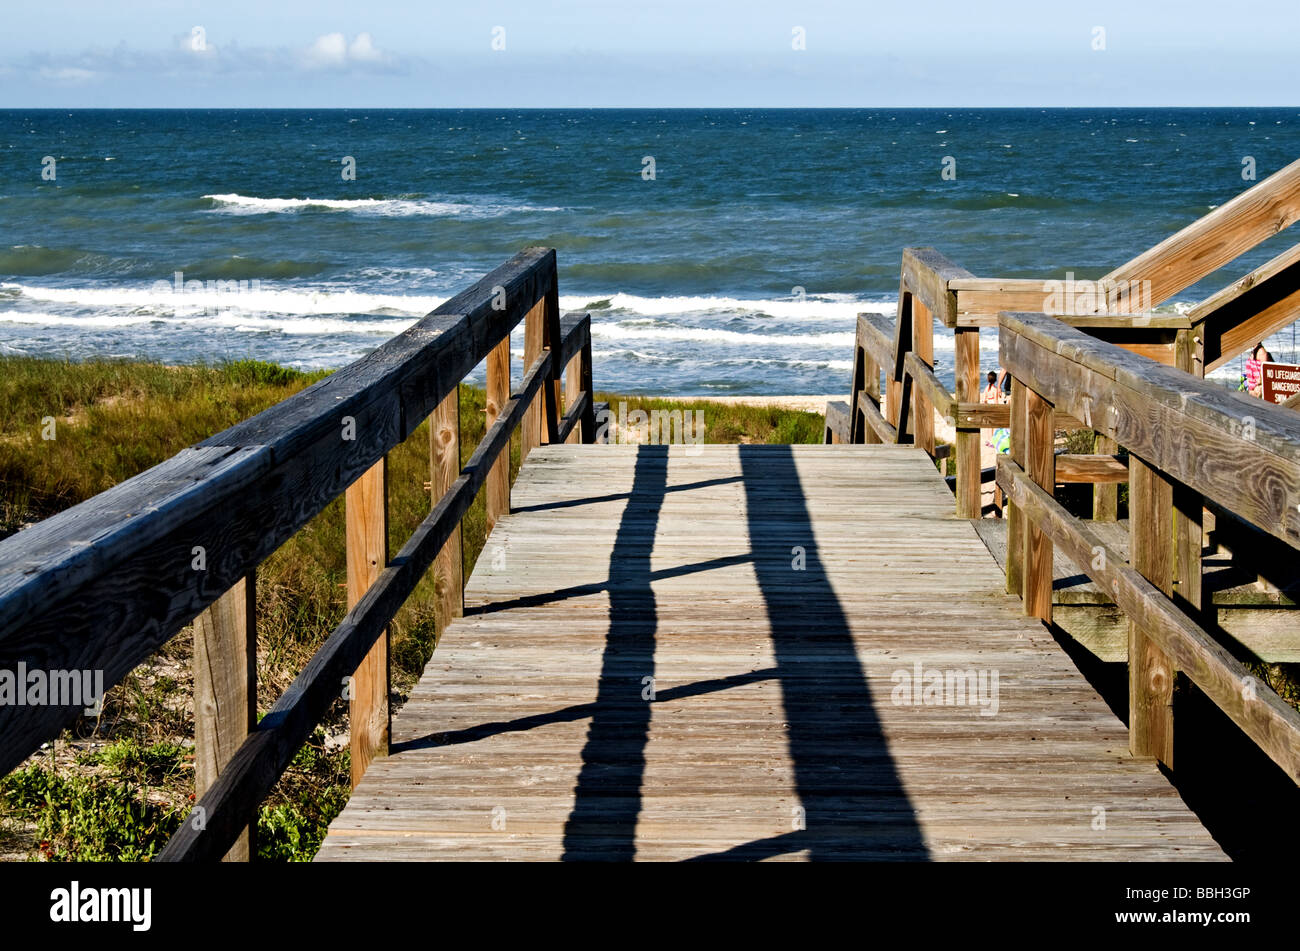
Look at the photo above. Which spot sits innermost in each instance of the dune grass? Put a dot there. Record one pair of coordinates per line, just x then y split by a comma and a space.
117, 787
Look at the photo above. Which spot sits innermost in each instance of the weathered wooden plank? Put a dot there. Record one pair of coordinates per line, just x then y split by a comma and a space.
259, 762
1019, 425
966, 354
1268, 720
1150, 673
772, 730
877, 423
366, 507
1105, 495
1214, 240
444, 466
926, 389
571, 424
103, 584
926, 273
497, 494
1095, 468
575, 351
225, 692
533, 431
837, 422
875, 335
1040, 463
1257, 306
1230, 448
997, 416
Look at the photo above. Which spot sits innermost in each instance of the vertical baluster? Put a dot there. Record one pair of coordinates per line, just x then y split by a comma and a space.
366, 505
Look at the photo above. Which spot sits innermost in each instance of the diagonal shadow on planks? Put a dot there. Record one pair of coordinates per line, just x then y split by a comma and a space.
854, 804
607, 798
774, 602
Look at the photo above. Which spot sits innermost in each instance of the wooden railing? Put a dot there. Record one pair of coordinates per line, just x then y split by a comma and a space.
1116, 308
103, 585
1190, 444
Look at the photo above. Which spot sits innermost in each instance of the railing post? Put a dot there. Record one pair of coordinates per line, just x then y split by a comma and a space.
552, 340
366, 507
225, 692
923, 347
1041, 467
966, 348
871, 388
866, 382
572, 390
1105, 495
1015, 519
444, 466
1150, 673
902, 337
584, 382
497, 490
1189, 505
531, 430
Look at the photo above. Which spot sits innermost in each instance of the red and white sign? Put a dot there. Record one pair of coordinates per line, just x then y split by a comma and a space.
1281, 381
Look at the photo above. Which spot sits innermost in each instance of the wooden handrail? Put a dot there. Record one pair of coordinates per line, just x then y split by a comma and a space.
102, 585
1216, 239
1248, 456
1249, 309
1268, 720
258, 763
1190, 444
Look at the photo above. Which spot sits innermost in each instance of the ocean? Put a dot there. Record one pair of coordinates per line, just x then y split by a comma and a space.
737, 268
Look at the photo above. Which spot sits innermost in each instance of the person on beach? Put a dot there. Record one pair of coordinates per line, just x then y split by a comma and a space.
992, 392
1253, 381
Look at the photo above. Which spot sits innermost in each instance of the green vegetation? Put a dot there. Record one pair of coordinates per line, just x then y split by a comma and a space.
118, 788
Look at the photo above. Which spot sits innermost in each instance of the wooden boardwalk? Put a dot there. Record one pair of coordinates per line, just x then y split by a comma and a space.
773, 731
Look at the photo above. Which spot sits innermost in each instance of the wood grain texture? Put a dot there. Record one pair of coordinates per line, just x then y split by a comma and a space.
533, 431
1150, 673
1214, 240
498, 394
259, 762
927, 392
771, 731
837, 422
1272, 723
444, 465
366, 506
875, 422
1019, 425
1091, 468
966, 357
103, 584
1105, 495
926, 273
1235, 450
1040, 463
895, 378
1263, 624
225, 692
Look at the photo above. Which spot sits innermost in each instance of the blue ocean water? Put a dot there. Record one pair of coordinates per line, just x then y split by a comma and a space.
738, 268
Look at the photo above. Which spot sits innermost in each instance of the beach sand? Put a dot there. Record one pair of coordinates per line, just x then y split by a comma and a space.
806, 404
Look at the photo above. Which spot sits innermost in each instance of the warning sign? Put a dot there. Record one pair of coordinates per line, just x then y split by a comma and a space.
1281, 381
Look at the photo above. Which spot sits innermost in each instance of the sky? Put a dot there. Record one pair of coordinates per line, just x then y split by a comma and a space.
653, 53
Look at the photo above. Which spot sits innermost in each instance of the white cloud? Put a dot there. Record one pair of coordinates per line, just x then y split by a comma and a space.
363, 50
333, 51
328, 51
